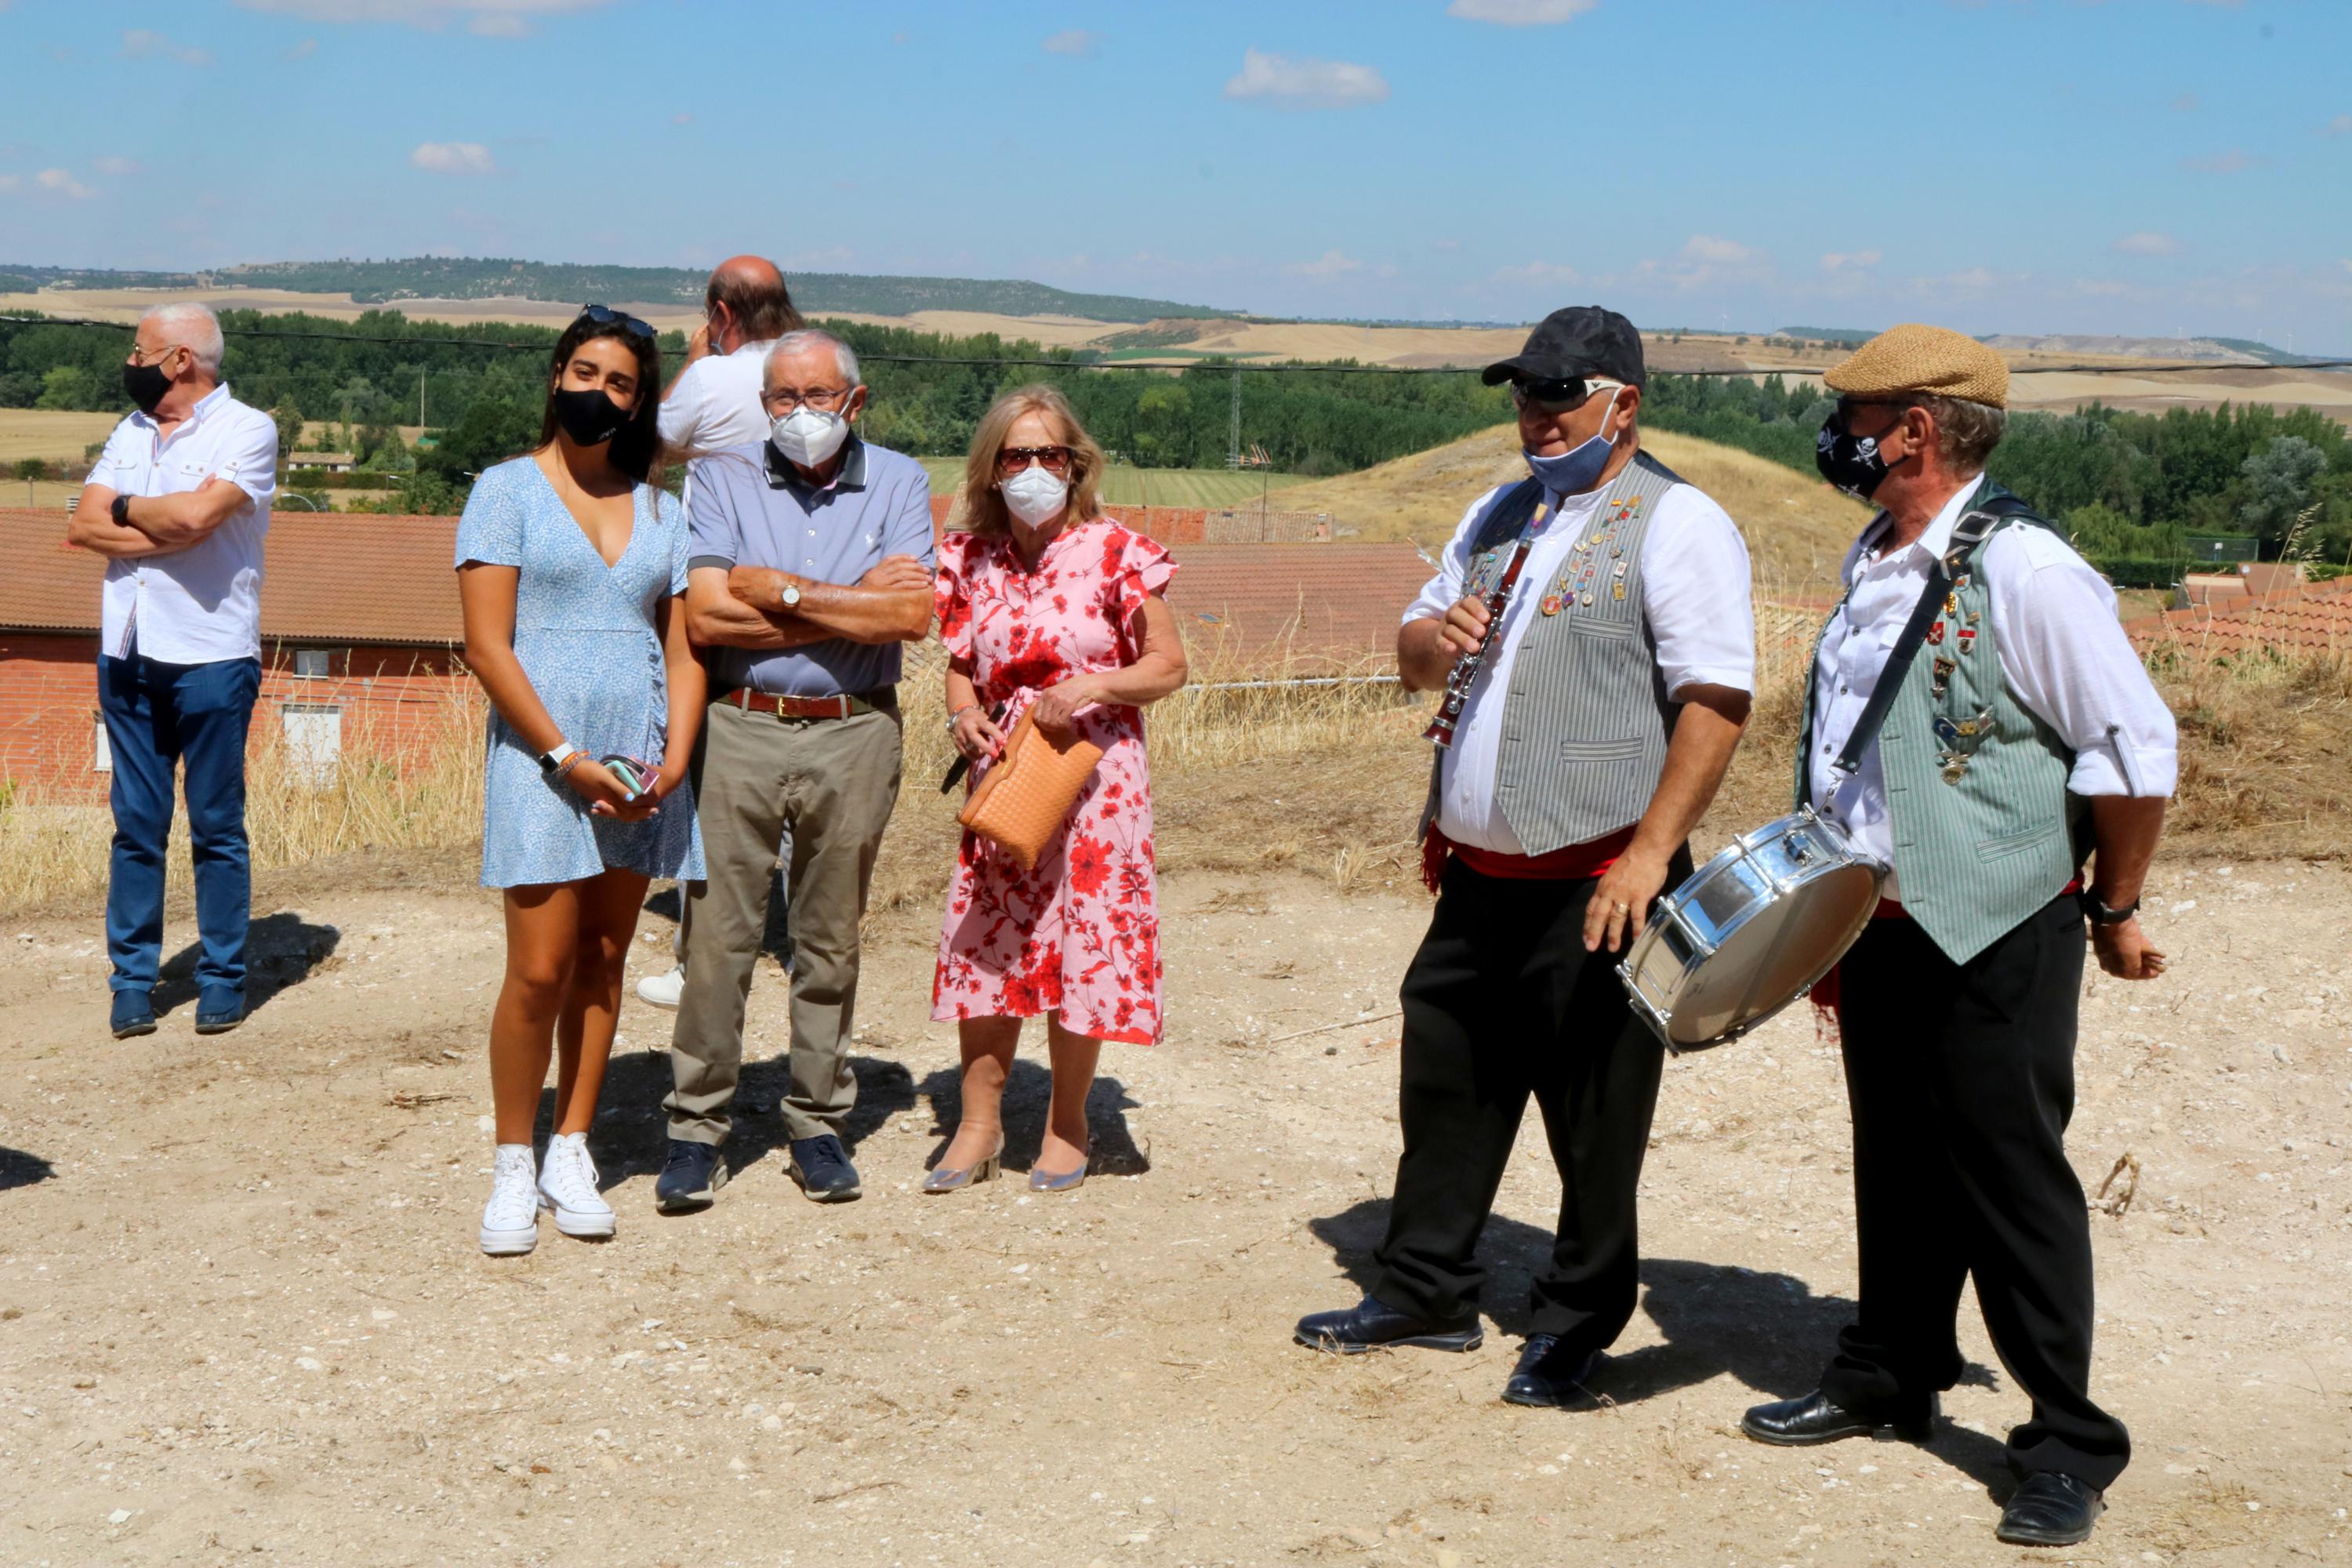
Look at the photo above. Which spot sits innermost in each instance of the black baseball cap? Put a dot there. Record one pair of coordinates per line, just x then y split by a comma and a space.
1578, 341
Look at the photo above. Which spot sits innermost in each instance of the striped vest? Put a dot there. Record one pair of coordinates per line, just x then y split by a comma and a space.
1984, 829
1586, 719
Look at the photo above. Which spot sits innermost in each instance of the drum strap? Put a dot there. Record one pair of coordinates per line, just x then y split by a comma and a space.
1970, 531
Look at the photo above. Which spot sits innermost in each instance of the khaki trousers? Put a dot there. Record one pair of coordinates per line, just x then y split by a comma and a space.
830, 784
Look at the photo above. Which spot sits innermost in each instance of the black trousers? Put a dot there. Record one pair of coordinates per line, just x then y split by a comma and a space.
1502, 1004
1961, 1076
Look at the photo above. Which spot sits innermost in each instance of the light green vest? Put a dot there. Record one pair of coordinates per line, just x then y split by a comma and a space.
1983, 826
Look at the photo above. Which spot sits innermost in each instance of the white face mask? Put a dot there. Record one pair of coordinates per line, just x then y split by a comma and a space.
808, 436
1035, 496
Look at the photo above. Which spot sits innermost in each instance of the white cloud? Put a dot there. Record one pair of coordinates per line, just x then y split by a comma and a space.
452, 158
303, 50
1521, 12
64, 185
1719, 252
1849, 261
1289, 82
2339, 126
1554, 273
2185, 104
1445, 245
681, 119
141, 43
491, 18
1331, 264
2232, 162
2148, 242
111, 165
1077, 42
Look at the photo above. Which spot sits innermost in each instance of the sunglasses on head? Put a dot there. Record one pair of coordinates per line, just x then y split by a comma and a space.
606, 316
1555, 394
1011, 461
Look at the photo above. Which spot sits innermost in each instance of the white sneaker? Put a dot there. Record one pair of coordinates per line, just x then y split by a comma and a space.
663, 990
567, 1186
511, 1219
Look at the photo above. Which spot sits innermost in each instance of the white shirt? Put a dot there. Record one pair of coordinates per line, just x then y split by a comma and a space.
203, 603
2062, 654
1695, 594
715, 403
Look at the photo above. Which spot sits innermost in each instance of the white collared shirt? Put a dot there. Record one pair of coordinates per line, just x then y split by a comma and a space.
2062, 654
715, 403
1694, 595
203, 603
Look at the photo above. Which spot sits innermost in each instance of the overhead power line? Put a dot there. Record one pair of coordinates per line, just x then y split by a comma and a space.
500, 346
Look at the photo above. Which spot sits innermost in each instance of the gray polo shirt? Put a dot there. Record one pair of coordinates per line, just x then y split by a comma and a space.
751, 508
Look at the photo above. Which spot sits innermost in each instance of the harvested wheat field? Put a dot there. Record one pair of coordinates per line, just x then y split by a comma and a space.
242, 1316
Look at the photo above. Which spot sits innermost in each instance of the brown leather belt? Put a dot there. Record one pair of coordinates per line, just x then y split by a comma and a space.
842, 707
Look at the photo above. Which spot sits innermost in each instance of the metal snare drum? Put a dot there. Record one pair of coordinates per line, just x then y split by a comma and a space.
1750, 931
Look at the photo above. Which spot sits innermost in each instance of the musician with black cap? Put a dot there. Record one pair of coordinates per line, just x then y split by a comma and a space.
1978, 721
1591, 628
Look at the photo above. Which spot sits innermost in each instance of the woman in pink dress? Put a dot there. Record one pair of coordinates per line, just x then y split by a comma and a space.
1046, 606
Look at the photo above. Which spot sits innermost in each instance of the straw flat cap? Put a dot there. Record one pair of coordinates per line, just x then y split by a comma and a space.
1916, 358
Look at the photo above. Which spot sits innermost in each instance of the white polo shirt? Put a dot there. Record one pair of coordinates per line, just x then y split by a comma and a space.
203, 603
1695, 596
715, 403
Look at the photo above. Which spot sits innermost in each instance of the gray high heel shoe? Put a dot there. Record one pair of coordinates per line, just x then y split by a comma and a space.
949, 1179
1044, 1181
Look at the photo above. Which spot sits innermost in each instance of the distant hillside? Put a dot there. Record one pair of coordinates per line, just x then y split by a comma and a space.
2218, 351
1852, 336
469, 278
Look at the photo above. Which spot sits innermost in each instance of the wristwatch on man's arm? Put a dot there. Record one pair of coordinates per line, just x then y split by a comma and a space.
2100, 914
121, 511
788, 595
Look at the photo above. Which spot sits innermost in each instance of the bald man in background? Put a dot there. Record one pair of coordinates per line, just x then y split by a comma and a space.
713, 404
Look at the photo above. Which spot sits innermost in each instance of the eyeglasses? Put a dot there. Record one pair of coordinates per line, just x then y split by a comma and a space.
1011, 461
826, 399
606, 316
1557, 395
139, 355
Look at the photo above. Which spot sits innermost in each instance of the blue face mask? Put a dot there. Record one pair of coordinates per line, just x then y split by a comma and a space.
1578, 469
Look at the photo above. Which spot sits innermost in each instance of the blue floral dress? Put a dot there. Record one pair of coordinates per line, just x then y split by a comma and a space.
586, 634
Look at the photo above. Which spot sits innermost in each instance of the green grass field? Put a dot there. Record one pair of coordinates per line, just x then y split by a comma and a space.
1155, 487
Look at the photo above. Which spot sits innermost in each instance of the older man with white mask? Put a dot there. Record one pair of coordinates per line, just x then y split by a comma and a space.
811, 562
179, 504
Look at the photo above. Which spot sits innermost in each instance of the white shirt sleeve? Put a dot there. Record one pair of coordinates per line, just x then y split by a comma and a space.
1441, 593
1696, 594
248, 458
2065, 655
681, 411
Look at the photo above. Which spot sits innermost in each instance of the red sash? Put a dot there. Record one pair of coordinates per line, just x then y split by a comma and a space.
1572, 864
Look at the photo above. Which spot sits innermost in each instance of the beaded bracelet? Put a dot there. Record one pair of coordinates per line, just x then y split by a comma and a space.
967, 708
563, 769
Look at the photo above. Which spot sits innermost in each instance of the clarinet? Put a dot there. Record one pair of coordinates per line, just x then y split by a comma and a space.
1465, 668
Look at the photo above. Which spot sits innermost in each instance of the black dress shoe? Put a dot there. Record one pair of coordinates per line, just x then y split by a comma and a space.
1811, 1418
2051, 1509
690, 1177
1369, 1326
1552, 1377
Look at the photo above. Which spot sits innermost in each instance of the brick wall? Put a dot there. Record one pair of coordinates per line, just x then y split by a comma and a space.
385, 701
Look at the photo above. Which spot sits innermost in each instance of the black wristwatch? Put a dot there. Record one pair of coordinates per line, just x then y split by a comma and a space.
2099, 914
121, 511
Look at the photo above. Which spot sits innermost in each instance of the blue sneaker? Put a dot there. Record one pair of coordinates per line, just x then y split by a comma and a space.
219, 1009
134, 1014
690, 1177
821, 1165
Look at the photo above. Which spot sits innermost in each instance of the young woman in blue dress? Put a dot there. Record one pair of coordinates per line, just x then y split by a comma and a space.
571, 572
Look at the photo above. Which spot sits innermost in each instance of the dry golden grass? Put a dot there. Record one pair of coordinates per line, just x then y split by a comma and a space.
53, 435
1797, 530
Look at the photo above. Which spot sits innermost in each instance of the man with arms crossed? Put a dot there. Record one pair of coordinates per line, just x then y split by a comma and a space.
179, 505
1613, 691
2022, 736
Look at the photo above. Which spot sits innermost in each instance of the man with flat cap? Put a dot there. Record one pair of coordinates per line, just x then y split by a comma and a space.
1977, 721
1591, 629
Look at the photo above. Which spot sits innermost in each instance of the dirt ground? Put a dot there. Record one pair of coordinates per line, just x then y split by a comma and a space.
242, 1316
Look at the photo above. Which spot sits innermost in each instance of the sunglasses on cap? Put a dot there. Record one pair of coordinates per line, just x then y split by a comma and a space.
1011, 461
1557, 395
606, 316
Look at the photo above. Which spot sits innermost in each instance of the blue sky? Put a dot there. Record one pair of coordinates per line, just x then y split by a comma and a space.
2141, 166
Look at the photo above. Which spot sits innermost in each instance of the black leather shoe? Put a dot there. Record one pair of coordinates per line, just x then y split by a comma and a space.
1371, 1326
1811, 1418
1552, 1377
133, 1014
2051, 1509
690, 1177
219, 1009
821, 1165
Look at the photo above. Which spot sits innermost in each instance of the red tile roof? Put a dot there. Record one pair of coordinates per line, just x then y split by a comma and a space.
2310, 619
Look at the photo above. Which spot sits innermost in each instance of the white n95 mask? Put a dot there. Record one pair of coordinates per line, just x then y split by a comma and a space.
1035, 496
808, 436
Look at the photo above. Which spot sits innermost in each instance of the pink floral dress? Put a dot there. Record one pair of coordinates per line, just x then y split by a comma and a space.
1079, 935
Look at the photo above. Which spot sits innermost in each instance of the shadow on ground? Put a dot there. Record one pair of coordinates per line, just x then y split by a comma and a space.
1113, 1150
281, 951
1769, 1330
18, 1169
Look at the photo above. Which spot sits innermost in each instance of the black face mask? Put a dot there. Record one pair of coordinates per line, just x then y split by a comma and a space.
1851, 462
145, 386
589, 418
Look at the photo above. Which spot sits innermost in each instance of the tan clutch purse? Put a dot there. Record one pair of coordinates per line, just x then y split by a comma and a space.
1027, 796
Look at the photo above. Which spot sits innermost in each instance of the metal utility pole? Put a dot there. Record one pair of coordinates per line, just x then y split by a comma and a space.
420, 403
1234, 443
